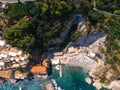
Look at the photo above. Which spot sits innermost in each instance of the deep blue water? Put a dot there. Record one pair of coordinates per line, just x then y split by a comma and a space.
73, 79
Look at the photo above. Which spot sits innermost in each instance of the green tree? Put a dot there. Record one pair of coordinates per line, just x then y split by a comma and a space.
20, 35
18, 10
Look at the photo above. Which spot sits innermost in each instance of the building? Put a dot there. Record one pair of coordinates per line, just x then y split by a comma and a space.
12, 54
58, 54
2, 42
6, 74
55, 61
18, 75
39, 71
91, 55
3, 54
2, 65
71, 50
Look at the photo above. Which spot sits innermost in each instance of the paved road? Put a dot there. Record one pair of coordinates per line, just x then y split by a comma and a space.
14, 1
111, 14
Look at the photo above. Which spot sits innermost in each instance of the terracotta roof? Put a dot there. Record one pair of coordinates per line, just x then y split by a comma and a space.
5, 74
18, 74
39, 69
4, 51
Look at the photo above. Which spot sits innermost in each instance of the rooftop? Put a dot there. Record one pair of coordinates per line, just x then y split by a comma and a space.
18, 74
39, 69
9, 53
6, 74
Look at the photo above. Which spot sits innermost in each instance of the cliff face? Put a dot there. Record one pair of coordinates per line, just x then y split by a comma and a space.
104, 74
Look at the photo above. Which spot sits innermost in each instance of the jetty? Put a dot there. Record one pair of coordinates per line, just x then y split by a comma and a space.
60, 72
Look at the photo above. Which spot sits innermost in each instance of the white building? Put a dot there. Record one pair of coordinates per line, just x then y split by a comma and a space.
19, 53
55, 61
92, 55
58, 54
12, 54
2, 63
3, 5
2, 43
71, 49
3, 55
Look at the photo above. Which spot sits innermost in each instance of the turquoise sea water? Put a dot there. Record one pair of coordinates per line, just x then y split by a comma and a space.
73, 79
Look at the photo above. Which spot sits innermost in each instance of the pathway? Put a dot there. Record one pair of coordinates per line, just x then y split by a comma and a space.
111, 14
14, 1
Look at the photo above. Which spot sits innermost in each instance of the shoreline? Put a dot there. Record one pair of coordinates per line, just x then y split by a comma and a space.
42, 81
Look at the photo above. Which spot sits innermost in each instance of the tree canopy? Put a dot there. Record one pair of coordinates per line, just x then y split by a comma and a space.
20, 34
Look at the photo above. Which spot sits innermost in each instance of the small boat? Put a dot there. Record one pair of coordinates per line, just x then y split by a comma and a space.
57, 67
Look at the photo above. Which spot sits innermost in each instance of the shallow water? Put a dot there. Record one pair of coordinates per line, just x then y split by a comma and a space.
73, 79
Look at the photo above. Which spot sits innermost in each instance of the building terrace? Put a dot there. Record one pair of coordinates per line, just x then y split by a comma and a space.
6, 74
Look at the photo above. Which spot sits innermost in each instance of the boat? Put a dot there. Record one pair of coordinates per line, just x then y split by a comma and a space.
57, 67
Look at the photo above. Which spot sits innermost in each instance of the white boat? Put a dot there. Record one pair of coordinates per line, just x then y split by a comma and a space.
57, 67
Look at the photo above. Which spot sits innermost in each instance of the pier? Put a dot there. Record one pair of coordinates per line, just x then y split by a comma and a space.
60, 71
